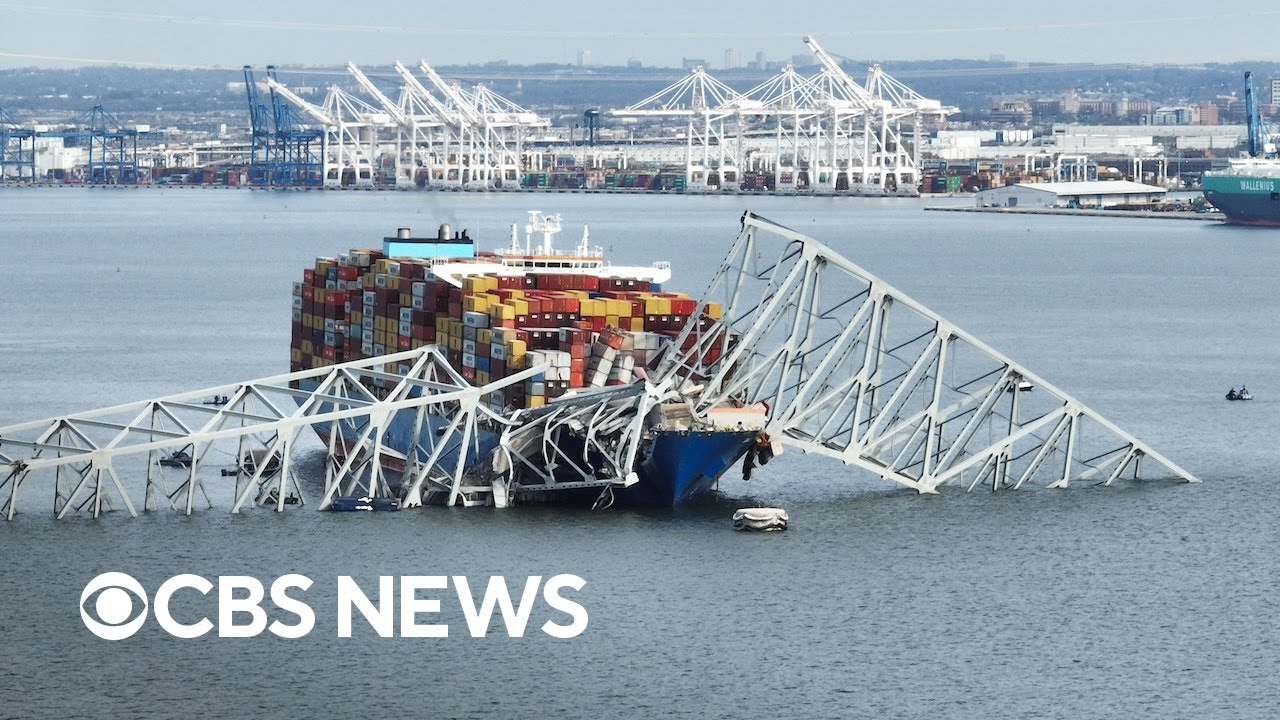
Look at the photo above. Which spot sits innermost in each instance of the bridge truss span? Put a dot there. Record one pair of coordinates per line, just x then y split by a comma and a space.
856, 370
249, 432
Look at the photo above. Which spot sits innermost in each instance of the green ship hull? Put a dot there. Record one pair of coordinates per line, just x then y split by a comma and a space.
1245, 199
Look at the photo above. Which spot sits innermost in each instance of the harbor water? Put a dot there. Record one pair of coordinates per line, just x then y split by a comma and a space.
1147, 600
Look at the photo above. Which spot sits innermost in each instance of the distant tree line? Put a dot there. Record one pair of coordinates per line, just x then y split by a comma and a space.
161, 96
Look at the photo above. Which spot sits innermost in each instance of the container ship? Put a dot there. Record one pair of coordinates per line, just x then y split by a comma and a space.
1247, 192
500, 312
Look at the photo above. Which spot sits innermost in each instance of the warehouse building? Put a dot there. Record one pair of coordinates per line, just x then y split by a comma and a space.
1071, 194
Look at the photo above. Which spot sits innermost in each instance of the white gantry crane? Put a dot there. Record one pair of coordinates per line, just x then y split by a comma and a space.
352, 130
812, 127
887, 163
705, 104
925, 113
823, 134
433, 134
416, 132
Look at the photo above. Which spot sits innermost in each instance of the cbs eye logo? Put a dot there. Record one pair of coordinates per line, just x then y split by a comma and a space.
111, 617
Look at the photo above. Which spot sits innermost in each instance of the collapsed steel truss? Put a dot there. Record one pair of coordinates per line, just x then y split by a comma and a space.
855, 370
591, 439
464, 448
849, 367
255, 432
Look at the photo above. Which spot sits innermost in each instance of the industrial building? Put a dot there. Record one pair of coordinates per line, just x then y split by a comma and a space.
1071, 194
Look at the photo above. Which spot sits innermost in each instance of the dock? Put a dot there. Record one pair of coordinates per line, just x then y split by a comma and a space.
1089, 212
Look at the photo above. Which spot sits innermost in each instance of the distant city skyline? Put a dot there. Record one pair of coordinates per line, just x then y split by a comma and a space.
659, 33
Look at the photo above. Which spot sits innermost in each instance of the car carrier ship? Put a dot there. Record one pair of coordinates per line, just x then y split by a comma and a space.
1248, 190
593, 324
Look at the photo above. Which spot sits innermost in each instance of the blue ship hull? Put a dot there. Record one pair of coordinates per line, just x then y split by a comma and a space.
678, 467
683, 465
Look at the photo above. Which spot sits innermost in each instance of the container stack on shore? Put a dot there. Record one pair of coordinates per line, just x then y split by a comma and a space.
592, 331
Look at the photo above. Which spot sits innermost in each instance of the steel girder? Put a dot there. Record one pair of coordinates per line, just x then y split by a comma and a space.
855, 370
257, 428
591, 439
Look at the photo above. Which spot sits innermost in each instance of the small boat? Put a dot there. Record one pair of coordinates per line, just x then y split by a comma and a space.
217, 400
178, 458
761, 519
1241, 394
1023, 386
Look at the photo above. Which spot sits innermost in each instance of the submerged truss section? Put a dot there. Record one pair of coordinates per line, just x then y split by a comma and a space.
244, 436
855, 370
590, 439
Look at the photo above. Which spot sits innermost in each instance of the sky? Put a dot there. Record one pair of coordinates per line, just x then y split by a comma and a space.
658, 33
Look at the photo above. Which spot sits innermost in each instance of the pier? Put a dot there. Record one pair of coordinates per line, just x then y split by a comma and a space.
1089, 212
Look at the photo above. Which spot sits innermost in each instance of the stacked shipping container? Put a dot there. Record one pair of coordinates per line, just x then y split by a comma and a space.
592, 331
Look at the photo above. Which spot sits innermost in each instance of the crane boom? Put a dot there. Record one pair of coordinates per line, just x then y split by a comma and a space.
306, 107
447, 90
838, 75
1257, 133
415, 86
257, 112
377, 94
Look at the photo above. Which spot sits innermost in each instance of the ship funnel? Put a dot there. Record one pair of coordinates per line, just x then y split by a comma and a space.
403, 234
445, 230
